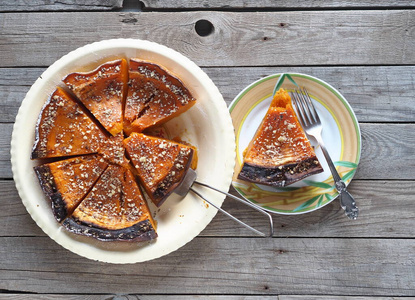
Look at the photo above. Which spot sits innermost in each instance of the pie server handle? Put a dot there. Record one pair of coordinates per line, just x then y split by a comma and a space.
190, 179
251, 205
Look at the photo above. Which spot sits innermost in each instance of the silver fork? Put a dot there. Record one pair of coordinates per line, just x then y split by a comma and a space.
311, 123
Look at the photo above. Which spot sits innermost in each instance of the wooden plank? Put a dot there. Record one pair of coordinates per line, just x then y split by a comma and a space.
187, 297
366, 37
377, 215
63, 297
379, 202
12, 97
14, 218
55, 5
389, 145
387, 151
269, 4
376, 267
377, 94
312, 297
95, 5
140, 297
143, 297
5, 138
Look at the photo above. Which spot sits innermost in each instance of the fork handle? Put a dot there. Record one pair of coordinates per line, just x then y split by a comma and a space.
347, 201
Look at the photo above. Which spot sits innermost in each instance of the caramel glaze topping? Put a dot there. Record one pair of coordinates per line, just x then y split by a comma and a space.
67, 182
154, 96
96, 194
112, 149
160, 164
64, 129
102, 92
280, 153
280, 141
114, 204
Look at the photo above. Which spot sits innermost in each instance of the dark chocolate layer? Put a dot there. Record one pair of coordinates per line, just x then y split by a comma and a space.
282, 175
142, 231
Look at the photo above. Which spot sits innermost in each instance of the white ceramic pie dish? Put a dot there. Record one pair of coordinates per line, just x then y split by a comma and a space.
207, 125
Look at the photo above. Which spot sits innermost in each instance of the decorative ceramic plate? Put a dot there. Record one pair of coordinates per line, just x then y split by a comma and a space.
341, 134
207, 125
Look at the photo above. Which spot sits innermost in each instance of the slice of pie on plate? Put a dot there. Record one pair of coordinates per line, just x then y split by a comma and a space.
66, 182
114, 210
102, 92
280, 153
154, 96
64, 129
160, 164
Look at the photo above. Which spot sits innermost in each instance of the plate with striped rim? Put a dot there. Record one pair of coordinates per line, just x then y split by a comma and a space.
341, 133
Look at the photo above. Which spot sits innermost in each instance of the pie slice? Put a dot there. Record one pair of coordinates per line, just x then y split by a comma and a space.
102, 92
66, 182
64, 129
154, 96
195, 157
114, 210
160, 164
280, 153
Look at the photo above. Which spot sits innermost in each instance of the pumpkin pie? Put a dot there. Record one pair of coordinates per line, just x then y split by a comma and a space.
102, 92
92, 182
64, 129
114, 210
154, 96
280, 153
66, 182
160, 164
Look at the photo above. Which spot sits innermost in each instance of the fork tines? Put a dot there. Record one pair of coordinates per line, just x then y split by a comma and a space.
306, 110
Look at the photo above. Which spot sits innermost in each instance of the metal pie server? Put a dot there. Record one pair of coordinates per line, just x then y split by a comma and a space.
190, 179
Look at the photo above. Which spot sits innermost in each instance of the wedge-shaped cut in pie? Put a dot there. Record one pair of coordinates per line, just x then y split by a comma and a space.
280, 153
160, 164
102, 92
66, 182
114, 210
154, 96
64, 129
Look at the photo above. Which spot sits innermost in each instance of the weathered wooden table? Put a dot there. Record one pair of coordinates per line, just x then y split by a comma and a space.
366, 49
